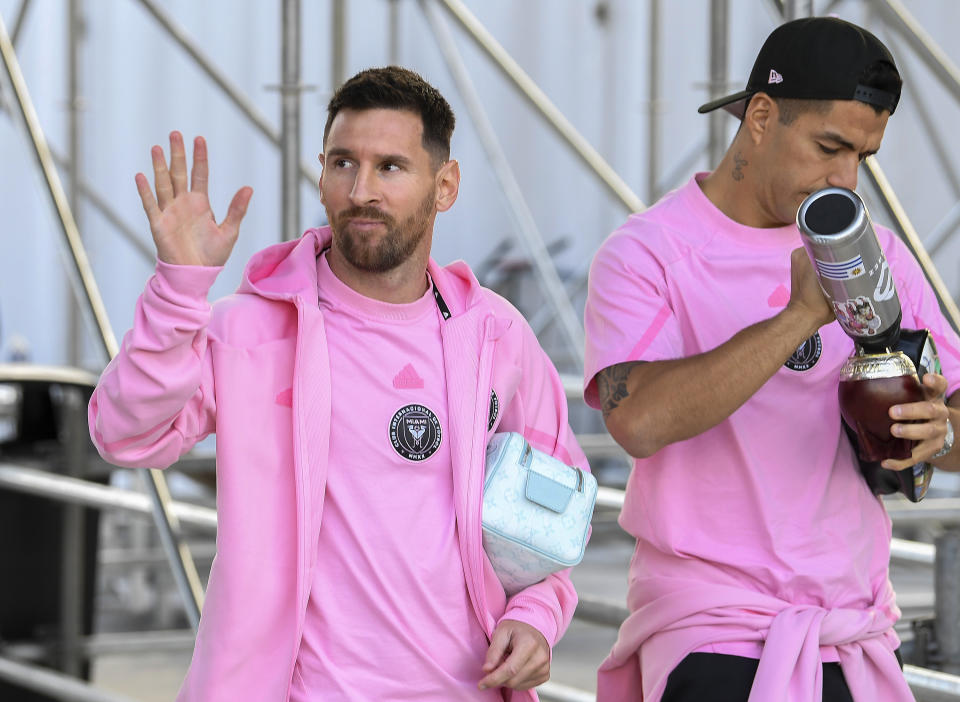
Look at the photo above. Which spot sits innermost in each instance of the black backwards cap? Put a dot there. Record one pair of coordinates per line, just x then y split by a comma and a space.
814, 58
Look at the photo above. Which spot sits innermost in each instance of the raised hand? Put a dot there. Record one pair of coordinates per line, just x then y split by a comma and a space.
184, 229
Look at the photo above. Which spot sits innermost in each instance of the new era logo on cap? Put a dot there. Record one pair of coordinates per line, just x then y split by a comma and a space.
774, 77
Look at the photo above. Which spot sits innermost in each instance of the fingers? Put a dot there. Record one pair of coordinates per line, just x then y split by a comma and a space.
497, 649
178, 163
236, 211
923, 422
201, 170
923, 411
147, 198
524, 668
923, 451
161, 176
935, 385
527, 662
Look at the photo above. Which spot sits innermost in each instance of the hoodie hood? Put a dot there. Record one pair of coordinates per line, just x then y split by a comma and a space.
288, 270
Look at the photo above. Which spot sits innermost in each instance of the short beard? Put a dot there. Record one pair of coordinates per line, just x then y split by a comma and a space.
396, 247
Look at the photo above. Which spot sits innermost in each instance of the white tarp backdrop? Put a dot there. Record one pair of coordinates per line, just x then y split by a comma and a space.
590, 57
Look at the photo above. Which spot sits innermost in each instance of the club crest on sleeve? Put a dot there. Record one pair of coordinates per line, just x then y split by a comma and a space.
806, 355
494, 409
415, 432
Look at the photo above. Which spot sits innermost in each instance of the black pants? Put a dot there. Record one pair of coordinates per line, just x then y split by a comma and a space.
718, 677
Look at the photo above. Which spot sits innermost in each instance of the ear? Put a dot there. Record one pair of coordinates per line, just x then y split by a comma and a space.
448, 185
761, 115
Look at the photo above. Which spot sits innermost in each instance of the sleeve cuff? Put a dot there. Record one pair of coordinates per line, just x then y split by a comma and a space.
530, 611
182, 284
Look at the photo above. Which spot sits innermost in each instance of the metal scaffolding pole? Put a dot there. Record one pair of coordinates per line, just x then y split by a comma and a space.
290, 120
898, 18
233, 93
653, 76
719, 37
940, 150
947, 602
74, 61
895, 210
55, 190
526, 225
134, 238
941, 233
795, 9
47, 682
338, 44
73, 536
394, 23
536, 97
18, 21
185, 571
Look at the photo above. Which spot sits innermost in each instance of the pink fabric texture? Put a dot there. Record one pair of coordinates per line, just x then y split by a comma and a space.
187, 370
408, 580
761, 529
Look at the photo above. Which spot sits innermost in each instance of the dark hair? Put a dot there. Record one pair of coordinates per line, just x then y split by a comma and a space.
880, 75
396, 88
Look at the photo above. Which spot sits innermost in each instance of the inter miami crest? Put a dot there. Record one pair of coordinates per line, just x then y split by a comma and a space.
415, 432
806, 355
494, 409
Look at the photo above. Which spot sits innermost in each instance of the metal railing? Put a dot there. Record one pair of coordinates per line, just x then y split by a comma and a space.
927, 684
171, 515
185, 571
48, 682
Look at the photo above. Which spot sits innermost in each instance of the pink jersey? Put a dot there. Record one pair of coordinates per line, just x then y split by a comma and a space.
255, 368
388, 549
759, 535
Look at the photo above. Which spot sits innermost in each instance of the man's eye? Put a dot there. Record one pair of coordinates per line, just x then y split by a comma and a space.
341, 163
827, 150
390, 167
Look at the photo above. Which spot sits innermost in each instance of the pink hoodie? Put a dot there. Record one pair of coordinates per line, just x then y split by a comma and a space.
186, 370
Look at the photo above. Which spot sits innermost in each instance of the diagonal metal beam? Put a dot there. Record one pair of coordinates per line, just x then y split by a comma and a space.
18, 21
184, 569
536, 97
526, 225
95, 200
931, 131
899, 18
895, 210
233, 93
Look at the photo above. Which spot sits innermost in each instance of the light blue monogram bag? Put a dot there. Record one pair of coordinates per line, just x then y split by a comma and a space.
536, 512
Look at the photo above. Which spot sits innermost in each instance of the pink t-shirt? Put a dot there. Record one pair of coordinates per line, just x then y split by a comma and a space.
389, 617
770, 500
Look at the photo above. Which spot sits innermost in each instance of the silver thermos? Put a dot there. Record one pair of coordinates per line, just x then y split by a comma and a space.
888, 362
853, 272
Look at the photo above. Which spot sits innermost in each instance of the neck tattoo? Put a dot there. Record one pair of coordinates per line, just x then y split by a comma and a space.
740, 162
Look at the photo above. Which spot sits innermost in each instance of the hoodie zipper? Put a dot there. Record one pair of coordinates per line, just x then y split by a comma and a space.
300, 472
477, 462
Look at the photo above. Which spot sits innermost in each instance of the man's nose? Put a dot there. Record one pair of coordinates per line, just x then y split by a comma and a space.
365, 189
845, 173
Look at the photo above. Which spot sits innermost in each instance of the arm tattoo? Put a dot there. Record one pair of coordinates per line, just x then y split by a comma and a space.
740, 162
612, 386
